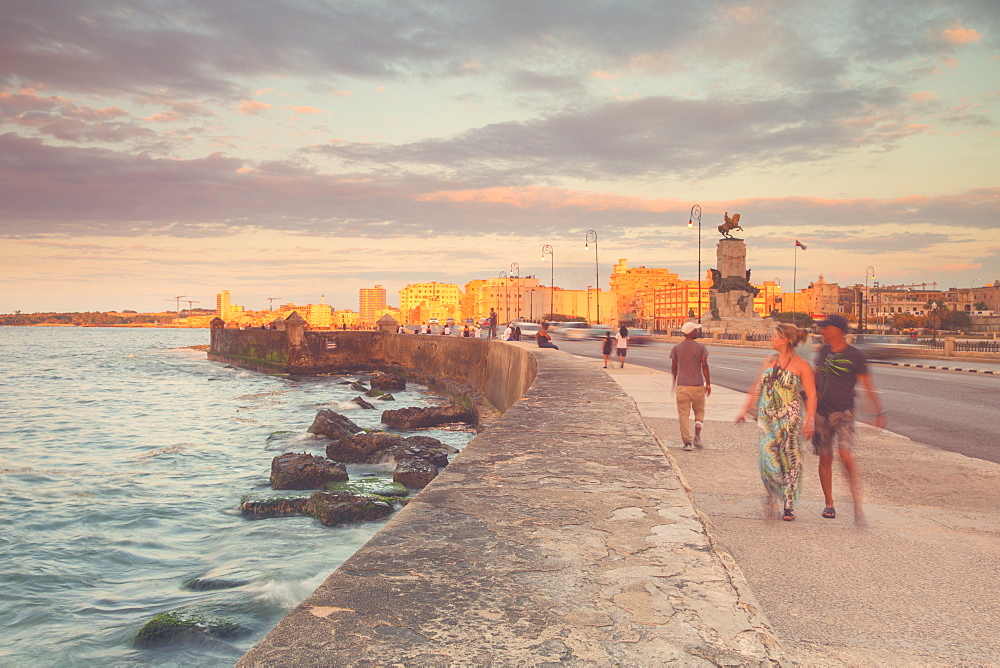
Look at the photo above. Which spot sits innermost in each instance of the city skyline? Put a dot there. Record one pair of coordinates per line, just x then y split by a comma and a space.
293, 149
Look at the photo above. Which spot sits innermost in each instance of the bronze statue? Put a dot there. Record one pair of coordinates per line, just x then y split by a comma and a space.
731, 224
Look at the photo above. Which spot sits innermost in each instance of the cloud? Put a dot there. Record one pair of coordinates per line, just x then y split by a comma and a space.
249, 107
960, 36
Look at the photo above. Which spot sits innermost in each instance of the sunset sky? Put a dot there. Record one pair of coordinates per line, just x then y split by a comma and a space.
293, 149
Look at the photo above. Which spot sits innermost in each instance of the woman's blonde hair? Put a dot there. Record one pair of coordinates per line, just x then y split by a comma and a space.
789, 332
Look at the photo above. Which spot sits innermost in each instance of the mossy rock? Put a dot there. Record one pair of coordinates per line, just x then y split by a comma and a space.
374, 393
359, 387
387, 397
168, 627
279, 434
336, 508
371, 485
214, 584
263, 506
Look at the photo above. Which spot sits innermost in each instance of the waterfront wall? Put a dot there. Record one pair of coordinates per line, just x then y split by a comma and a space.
493, 371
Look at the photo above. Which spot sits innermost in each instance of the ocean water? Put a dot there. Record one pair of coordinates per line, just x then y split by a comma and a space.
123, 458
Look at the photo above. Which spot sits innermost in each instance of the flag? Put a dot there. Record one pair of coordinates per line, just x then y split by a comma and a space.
800, 244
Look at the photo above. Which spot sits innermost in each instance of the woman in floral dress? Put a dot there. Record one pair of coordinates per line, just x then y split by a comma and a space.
782, 419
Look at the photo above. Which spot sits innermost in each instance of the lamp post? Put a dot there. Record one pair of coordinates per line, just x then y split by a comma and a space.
592, 236
777, 282
503, 275
870, 270
547, 250
588, 302
515, 272
696, 215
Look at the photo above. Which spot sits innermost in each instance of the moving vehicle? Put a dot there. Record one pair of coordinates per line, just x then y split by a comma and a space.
638, 337
568, 330
528, 329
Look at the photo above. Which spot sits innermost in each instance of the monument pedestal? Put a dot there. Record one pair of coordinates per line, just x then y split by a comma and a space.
731, 295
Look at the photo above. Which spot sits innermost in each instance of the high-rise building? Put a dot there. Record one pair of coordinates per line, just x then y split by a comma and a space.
421, 301
223, 305
371, 302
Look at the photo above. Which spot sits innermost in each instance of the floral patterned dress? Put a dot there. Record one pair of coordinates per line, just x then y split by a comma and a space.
780, 415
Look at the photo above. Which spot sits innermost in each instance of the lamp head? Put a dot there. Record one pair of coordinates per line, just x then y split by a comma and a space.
690, 223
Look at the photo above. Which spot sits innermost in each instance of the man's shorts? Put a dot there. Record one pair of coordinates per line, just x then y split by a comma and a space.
837, 423
622, 351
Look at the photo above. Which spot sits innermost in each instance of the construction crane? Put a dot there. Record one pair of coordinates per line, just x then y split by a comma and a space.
178, 299
270, 302
191, 303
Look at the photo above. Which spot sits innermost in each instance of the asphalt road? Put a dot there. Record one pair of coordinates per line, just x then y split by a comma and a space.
951, 410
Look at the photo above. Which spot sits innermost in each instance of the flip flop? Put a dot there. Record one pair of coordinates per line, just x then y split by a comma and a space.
829, 513
788, 515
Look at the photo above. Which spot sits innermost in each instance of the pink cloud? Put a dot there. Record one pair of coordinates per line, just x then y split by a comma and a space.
250, 107
306, 110
961, 36
925, 96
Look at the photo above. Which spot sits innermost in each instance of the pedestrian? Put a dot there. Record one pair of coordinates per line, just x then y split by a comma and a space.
606, 344
493, 324
465, 332
692, 382
517, 332
621, 345
479, 330
446, 331
508, 333
839, 367
425, 328
543, 337
782, 421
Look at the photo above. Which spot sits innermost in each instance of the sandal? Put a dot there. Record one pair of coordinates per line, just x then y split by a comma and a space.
829, 513
788, 515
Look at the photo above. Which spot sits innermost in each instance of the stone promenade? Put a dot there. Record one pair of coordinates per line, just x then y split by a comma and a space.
566, 533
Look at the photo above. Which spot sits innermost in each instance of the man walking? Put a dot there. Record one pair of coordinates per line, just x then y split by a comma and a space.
838, 368
692, 382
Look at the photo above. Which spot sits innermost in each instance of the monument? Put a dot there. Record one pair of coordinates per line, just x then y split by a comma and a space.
731, 295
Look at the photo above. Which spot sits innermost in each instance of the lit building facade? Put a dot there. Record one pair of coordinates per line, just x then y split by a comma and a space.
634, 289
419, 302
371, 304
506, 295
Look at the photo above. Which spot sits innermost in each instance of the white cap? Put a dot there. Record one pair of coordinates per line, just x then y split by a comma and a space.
689, 327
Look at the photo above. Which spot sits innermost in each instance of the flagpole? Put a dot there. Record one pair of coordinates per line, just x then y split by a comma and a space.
795, 269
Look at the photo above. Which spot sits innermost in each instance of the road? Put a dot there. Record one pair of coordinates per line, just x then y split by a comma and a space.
954, 411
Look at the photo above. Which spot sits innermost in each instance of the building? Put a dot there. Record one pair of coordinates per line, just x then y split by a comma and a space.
419, 302
504, 294
634, 290
371, 304
224, 308
540, 302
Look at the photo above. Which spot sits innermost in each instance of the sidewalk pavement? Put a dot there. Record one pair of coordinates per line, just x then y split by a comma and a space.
917, 586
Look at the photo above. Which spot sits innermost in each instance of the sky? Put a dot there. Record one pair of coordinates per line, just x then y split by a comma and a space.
302, 150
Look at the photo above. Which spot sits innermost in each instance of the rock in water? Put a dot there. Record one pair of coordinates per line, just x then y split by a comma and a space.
415, 472
416, 418
333, 425
362, 448
361, 402
385, 381
258, 507
332, 508
176, 625
304, 471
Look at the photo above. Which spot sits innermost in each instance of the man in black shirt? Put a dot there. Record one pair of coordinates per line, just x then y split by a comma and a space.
838, 368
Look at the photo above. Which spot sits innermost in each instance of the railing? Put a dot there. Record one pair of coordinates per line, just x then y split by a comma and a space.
977, 346
759, 336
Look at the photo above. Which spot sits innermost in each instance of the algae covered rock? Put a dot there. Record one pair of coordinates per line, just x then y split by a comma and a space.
432, 416
370, 485
261, 506
304, 471
332, 425
374, 393
176, 625
333, 508
386, 397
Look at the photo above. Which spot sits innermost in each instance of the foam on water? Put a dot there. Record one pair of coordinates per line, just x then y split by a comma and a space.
124, 460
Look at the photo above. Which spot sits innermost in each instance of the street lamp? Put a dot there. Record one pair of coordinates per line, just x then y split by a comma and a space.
547, 250
515, 272
696, 215
503, 275
864, 302
778, 299
592, 236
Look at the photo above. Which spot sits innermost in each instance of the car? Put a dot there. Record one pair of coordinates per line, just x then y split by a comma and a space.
568, 330
528, 329
638, 337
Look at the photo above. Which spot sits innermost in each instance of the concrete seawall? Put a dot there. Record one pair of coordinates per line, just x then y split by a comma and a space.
561, 533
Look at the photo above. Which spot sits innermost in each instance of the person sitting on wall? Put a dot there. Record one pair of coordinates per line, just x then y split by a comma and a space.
544, 338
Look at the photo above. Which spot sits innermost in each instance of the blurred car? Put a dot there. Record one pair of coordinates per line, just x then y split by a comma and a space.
528, 329
569, 330
588, 333
638, 337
